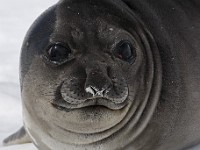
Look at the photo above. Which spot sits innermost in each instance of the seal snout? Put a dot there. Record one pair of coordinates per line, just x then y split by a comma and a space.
98, 88
97, 82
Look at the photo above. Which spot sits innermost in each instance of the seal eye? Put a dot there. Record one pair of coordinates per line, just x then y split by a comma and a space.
58, 53
125, 51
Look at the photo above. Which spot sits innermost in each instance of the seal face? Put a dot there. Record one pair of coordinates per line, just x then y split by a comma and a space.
91, 80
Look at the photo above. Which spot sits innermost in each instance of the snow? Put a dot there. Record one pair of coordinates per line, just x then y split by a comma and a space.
15, 19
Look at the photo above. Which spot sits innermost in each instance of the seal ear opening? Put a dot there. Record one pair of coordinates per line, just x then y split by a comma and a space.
19, 137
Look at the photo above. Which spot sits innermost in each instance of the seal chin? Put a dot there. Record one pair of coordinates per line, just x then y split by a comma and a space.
61, 104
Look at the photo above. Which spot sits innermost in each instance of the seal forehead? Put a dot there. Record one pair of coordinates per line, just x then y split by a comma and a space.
75, 13
81, 14
84, 22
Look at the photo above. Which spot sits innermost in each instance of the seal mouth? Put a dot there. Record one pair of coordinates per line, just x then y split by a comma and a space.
63, 101
61, 104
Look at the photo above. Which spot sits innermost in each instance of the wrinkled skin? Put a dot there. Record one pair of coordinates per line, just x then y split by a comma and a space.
96, 100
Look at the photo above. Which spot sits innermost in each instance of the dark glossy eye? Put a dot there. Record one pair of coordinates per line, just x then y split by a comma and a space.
58, 53
126, 51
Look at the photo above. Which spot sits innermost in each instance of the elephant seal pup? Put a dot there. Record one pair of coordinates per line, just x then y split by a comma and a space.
89, 79
91, 76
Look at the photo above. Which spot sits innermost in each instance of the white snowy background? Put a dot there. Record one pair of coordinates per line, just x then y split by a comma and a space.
16, 16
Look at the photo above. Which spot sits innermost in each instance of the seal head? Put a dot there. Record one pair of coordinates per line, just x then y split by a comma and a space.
88, 79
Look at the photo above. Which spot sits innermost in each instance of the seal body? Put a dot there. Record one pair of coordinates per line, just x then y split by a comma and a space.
111, 75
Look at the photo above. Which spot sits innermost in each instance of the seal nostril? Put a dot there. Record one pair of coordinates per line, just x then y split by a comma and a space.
96, 92
91, 90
